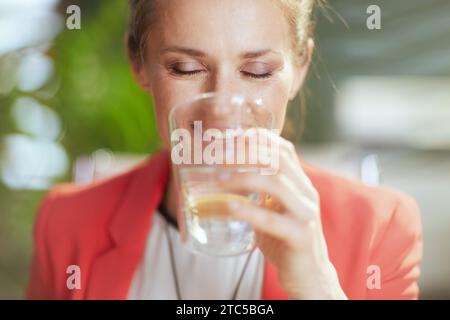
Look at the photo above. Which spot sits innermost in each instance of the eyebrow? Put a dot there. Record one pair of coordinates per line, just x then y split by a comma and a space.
259, 53
200, 54
188, 51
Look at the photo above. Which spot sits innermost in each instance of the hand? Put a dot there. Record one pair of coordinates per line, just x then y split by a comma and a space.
288, 226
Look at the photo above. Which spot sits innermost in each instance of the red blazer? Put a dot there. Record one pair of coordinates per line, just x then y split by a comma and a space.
102, 228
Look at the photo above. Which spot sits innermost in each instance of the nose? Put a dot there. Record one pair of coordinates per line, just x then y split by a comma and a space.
223, 81
219, 109
225, 84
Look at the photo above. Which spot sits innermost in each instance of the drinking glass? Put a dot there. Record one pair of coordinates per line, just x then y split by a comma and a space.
210, 140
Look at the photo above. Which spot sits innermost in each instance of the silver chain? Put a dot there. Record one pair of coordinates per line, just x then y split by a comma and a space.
174, 271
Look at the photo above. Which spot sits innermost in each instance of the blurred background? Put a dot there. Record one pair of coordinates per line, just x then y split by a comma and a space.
377, 110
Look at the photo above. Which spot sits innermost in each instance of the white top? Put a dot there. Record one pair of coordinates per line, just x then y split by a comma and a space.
200, 277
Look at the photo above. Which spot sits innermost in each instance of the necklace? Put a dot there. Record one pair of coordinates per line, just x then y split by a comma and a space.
174, 271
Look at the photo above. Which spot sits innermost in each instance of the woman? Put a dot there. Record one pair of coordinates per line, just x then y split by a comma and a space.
337, 238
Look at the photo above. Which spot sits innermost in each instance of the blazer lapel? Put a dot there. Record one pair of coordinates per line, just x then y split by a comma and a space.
112, 272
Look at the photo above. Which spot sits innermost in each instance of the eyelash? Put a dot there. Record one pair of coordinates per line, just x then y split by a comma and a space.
257, 76
194, 72
184, 73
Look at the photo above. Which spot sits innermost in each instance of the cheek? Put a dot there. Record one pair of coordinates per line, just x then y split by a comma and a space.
168, 92
276, 97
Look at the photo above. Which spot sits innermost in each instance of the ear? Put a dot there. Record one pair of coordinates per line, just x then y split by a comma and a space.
137, 67
301, 71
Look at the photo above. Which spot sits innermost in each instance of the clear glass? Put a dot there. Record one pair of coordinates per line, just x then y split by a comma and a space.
206, 225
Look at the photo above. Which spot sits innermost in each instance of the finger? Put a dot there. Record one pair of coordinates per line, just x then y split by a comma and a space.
268, 222
287, 158
284, 162
278, 187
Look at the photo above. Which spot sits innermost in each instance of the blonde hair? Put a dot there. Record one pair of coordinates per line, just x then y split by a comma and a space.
299, 14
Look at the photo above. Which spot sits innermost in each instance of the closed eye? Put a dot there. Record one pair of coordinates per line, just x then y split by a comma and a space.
179, 72
245, 73
256, 75
176, 70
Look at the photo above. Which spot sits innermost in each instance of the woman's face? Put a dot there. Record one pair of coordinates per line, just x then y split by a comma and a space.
238, 46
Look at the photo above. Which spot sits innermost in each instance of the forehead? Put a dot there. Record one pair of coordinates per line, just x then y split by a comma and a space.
222, 25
